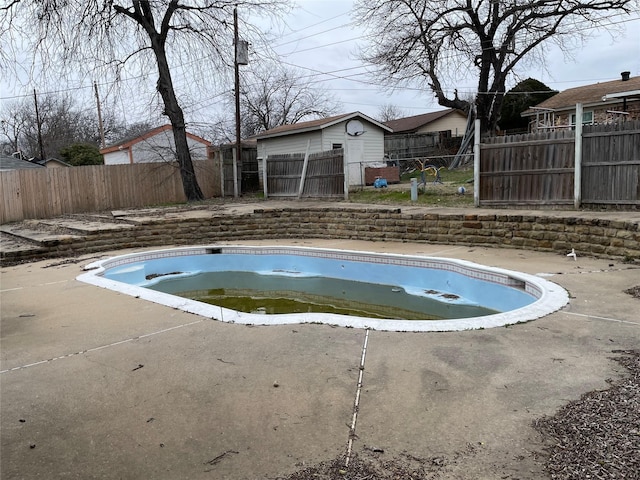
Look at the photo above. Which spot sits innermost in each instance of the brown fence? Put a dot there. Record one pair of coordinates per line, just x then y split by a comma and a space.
49, 192
322, 177
247, 174
540, 168
611, 164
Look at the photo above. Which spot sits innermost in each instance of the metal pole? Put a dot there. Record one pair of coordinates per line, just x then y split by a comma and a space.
100, 125
40, 144
237, 157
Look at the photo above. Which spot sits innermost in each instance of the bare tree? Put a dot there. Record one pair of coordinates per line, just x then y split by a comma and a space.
435, 42
388, 112
113, 33
14, 123
277, 95
272, 95
60, 123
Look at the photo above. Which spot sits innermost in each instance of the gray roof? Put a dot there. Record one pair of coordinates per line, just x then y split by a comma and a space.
414, 123
590, 95
317, 124
12, 163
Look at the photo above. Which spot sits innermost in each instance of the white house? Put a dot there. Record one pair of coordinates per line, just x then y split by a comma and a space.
361, 137
156, 145
451, 122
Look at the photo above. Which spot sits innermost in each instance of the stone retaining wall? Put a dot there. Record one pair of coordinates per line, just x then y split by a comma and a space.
593, 236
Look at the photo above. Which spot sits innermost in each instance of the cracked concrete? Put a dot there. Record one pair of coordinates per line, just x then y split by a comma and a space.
100, 385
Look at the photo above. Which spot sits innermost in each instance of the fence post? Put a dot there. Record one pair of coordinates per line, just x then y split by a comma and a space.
235, 171
264, 176
303, 176
577, 173
345, 165
476, 164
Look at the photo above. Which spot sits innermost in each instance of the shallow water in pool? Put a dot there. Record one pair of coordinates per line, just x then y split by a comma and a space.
278, 294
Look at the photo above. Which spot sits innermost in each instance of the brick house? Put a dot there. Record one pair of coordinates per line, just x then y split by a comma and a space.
602, 103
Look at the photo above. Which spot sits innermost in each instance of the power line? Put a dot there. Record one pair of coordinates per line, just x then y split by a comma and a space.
315, 34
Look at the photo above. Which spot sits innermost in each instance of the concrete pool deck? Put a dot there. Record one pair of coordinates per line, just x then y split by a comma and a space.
96, 384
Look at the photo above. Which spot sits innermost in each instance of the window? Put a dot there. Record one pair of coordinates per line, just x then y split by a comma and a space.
587, 118
335, 146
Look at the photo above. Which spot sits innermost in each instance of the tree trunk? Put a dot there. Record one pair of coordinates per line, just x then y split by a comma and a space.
176, 117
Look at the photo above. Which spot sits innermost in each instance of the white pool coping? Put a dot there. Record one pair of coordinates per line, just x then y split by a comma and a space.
550, 296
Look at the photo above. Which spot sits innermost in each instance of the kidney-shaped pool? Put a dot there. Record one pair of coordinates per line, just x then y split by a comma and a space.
276, 285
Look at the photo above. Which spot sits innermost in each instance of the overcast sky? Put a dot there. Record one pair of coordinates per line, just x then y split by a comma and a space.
329, 43
321, 39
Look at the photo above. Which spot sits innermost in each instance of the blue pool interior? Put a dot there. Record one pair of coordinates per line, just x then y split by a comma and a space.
515, 296
438, 279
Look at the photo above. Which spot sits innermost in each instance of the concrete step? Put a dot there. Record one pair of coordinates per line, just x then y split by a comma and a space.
38, 236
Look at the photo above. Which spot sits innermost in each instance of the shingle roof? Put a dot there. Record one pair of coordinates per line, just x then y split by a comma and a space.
588, 94
124, 144
414, 123
12, 163
317, 124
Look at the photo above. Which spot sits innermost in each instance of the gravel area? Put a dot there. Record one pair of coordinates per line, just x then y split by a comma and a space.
634, 291
598, 436
372, 466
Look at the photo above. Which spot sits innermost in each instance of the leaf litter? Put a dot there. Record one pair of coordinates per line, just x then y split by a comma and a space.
598, 436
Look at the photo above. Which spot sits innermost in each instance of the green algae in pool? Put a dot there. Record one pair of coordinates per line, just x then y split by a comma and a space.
252, 292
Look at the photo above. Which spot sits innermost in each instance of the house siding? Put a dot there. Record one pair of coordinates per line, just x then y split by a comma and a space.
157, 148
120, 157
454, 122
295, 143
373, 139
161, 148
371, 150
601, 115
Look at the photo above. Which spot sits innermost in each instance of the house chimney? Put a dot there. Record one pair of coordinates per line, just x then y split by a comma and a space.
625, 76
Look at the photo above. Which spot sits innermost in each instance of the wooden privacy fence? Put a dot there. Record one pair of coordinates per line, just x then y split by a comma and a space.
320, 174
542, 168
611, 164
247, 175
49, 192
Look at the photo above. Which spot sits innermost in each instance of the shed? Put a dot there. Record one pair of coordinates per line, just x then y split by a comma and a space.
361, 137
156, 145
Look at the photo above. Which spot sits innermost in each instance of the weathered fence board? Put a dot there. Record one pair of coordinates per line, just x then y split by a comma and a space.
539, 169
324, 175
406, 146
533, 169
49, 192
247, 173
611, 164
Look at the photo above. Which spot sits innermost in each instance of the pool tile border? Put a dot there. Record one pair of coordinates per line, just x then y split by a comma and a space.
550, 297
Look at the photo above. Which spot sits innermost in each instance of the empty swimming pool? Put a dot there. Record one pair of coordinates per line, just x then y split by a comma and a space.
430, 294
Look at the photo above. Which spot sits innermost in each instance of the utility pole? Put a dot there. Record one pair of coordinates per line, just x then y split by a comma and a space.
40, 144
237, 158
240, 58
100, 125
